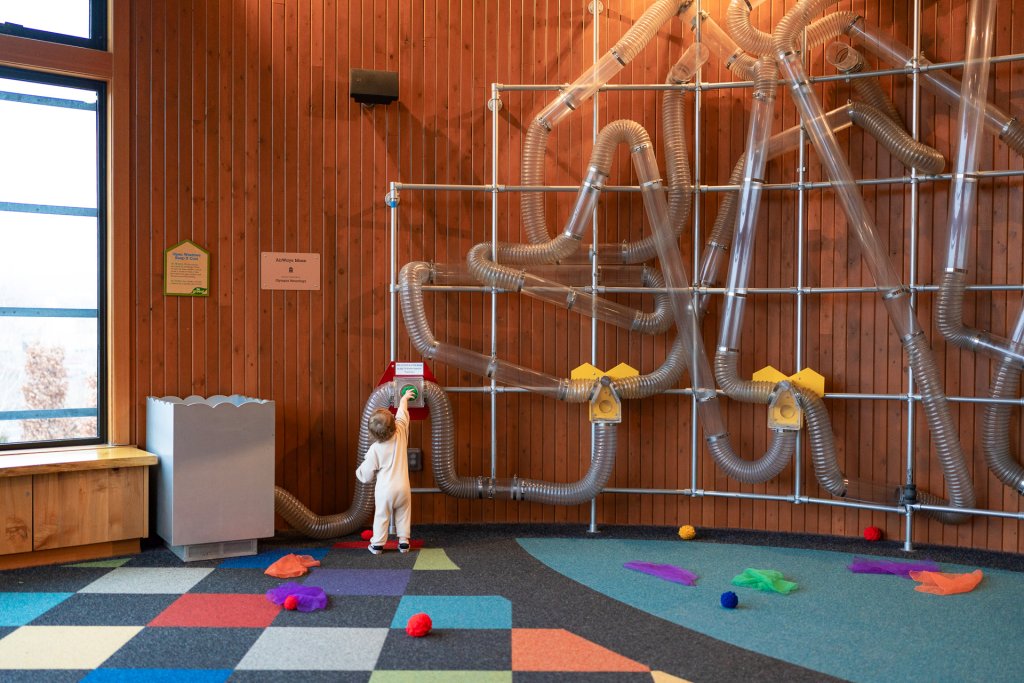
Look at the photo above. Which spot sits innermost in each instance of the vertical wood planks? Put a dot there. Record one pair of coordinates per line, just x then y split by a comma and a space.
244, 139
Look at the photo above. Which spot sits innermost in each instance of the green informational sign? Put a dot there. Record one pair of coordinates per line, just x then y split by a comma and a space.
186, 270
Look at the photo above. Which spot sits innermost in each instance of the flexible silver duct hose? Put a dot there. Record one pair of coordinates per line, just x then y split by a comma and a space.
894, 138
750, 38
847, 60
783, 442
532, 203
729, 381
822, 442
942, 428
784, 37
768, 466
949, 310
306, 522
1013, 136
411, 279
448, 480
757, 42
584, 490
640, 33
995, 430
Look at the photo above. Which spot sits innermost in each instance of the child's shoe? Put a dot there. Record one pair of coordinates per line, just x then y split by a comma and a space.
376, 549
403, 547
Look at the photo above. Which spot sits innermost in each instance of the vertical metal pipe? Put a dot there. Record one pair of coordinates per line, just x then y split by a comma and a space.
495, 108
697, 125
392, 202
594, 241
801, 331
915, 120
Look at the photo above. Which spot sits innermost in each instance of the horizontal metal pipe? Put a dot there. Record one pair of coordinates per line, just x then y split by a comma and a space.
836, 502
897, 71
611, 289
972, 511
749, 496
816, 185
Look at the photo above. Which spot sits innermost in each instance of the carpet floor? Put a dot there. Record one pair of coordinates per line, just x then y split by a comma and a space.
513, 603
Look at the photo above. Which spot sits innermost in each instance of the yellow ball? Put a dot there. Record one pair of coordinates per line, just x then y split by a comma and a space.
687, 532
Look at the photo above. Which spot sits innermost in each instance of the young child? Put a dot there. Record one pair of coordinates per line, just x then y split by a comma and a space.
388, 459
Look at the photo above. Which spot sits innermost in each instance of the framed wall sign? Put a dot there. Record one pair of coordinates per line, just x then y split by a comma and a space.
186, 270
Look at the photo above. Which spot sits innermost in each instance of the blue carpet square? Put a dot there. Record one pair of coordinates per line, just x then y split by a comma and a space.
448, 650
245, 581
360, 581
157, 676
184, 648
269, 557
456, 611
18, 609
97, 609
355, 611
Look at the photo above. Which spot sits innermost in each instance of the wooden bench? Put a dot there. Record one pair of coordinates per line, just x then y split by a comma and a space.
70, 505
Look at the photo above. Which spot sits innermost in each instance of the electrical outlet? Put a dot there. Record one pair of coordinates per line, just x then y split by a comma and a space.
415, 459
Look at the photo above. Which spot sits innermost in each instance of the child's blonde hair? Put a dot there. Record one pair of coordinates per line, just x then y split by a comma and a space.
382, 424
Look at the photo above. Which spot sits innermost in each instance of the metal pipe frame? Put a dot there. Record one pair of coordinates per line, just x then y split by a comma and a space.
799, 291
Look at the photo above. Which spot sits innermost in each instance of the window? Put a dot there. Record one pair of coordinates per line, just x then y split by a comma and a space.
52, 242
73, 22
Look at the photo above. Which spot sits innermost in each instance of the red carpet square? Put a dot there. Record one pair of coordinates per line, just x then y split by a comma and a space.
555, 649
224, 610
414, 544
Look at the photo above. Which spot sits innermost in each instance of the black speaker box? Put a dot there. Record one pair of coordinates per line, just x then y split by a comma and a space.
367, 86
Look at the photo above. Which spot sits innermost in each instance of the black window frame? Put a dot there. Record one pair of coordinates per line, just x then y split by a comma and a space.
102, 238
97, 40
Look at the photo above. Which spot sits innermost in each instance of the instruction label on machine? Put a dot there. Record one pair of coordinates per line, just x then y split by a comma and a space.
409, 369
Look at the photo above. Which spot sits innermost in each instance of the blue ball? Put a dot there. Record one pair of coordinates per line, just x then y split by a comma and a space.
729, 600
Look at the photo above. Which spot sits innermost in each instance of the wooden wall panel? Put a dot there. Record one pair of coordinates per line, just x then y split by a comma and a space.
245, 140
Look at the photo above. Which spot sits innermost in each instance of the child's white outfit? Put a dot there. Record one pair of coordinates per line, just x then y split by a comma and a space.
392, 496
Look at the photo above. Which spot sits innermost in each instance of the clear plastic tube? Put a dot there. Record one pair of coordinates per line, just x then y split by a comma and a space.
692, 59
719, 42
857, 216
973, 94
750, 196
938, 83
586, 200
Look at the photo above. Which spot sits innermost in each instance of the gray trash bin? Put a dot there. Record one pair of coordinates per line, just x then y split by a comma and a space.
215, 480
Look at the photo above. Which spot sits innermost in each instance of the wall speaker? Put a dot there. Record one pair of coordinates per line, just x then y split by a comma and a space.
367, 86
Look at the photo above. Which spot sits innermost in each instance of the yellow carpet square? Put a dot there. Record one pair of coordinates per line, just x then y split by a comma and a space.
62, 647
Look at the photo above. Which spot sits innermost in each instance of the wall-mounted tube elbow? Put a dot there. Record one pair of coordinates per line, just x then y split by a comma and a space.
847, 60
895, 139
746, 35
645, 28
996, 428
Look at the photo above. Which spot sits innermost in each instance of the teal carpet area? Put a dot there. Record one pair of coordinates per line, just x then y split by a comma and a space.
861, 627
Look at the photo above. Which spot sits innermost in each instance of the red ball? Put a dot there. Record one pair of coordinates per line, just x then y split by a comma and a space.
366, 535
872, 533
291, 602
418, 625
